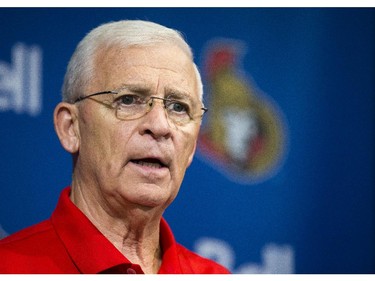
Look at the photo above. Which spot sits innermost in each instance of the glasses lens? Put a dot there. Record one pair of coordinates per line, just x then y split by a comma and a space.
130, 113
179, 111
130, 107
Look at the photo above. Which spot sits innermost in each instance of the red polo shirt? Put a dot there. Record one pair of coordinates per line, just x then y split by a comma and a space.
69, 243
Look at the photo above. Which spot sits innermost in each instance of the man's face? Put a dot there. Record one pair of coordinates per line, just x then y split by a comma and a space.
142, 161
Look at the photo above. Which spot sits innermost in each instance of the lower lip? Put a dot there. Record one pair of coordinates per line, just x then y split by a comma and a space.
149, 171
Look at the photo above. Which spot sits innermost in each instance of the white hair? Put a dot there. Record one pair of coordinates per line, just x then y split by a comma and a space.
126, 33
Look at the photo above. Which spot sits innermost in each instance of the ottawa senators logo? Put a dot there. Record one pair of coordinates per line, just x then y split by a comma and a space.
243, 134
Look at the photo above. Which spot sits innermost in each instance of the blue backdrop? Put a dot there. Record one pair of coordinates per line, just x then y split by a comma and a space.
283, 179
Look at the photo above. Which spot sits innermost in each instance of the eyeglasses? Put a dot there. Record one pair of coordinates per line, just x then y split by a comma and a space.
180, 110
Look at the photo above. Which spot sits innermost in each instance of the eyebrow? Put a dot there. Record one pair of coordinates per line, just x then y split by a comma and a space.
139, 88
179, 95
170, 92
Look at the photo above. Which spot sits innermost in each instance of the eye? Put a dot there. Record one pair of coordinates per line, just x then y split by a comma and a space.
177, 106
127, 99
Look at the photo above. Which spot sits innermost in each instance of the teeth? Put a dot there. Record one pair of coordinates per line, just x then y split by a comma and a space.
148, 164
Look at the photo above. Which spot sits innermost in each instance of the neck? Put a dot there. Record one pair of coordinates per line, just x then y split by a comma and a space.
134, 230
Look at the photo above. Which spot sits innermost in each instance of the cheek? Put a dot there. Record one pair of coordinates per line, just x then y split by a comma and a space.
99, 141
186, 149
114, 143
93, 145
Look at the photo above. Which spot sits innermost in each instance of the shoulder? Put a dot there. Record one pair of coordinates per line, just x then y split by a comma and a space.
24, 235
199, 264
23, 250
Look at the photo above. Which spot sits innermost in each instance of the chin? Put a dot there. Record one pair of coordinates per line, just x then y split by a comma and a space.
150, 199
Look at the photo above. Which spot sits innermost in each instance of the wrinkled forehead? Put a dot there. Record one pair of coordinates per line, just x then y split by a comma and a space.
159, 55
118, 65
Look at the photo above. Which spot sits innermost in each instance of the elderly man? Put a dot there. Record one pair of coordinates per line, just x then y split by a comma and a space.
130, 117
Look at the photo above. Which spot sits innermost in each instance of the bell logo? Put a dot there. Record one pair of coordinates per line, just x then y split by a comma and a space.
20, 81
275, 259
244, 134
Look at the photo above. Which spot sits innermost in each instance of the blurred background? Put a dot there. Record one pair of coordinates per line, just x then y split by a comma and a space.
283, 178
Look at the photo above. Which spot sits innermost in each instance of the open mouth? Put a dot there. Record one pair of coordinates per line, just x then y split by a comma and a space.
149, 162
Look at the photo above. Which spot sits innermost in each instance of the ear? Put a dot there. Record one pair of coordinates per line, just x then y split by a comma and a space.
66, 126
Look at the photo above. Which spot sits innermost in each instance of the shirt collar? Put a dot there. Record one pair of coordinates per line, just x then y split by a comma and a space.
92, 252
171, 262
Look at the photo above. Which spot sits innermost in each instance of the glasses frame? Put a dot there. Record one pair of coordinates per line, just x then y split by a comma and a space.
151, 98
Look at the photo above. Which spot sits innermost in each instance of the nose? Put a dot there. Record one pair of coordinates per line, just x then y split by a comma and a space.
156, 121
